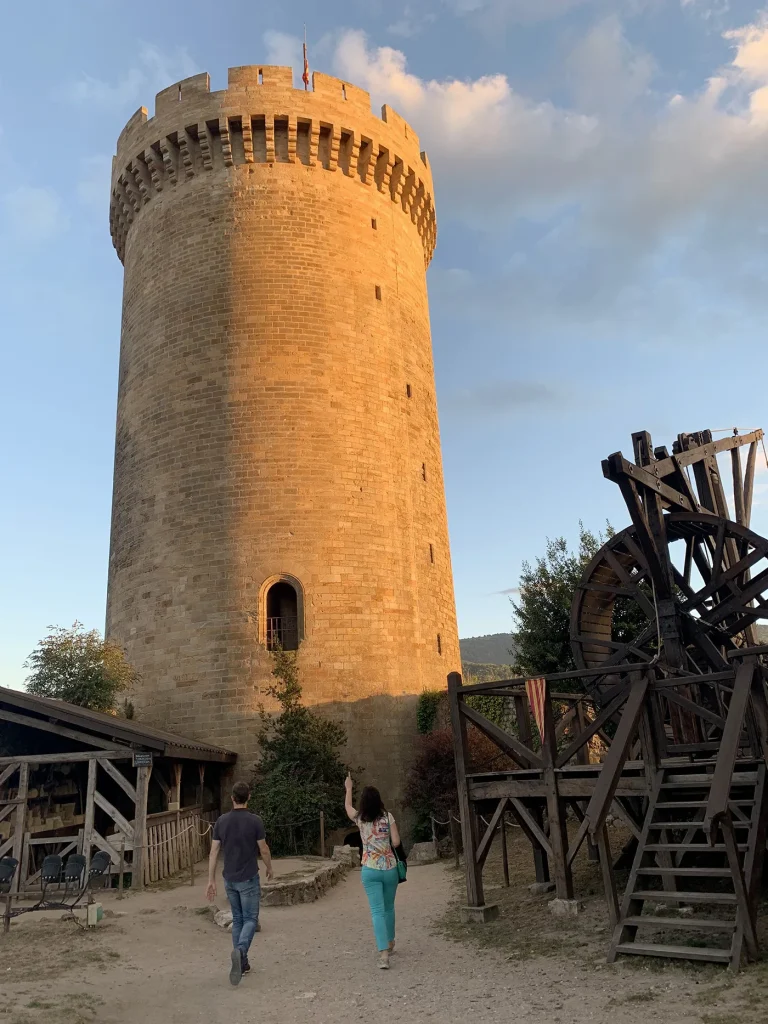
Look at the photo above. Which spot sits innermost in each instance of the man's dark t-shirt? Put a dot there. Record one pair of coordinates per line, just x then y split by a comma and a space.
238, 832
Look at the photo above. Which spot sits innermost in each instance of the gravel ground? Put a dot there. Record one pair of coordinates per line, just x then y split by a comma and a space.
157, 958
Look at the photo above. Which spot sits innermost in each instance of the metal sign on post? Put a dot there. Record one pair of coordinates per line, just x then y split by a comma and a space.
142, 758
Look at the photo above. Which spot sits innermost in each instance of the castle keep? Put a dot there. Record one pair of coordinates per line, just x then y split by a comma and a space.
277, 467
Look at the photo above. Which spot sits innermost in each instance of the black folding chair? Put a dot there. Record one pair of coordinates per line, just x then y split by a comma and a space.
100, 864
8, 867
50, 874
74, 876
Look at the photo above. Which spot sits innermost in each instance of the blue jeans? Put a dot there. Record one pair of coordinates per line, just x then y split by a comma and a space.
244, 900
380, 888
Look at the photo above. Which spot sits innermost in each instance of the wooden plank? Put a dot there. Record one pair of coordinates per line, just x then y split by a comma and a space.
584, 737
621, 812
695, 709
744, 909
60, 730
609, 879
530, 826
140, 826
119, 778
484, 846
719, 794
738, 487
749, 482
475, 896
80, 755
122, 823
99, 841
506, 742
8, 771
20, 821
608, 780
89, 809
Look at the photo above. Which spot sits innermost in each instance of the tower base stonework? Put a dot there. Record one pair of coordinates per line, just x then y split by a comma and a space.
278, 476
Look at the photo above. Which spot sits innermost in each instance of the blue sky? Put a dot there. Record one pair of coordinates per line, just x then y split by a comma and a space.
600, 178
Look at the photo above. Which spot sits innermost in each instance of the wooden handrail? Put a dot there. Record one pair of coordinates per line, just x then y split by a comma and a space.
720, 791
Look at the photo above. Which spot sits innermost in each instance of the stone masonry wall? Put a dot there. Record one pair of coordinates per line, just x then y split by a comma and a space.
277, 413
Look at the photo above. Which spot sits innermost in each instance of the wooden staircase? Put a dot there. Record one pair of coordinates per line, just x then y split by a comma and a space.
710, 890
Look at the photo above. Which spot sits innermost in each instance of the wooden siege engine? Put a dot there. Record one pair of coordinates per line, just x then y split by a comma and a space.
674, 690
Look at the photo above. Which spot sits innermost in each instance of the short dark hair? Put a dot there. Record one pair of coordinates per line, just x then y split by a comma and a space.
371, 805
240, 792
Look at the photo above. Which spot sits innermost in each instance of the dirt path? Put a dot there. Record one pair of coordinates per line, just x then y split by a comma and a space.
160, 961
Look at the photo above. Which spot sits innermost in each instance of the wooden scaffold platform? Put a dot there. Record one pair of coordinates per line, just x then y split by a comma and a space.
678, 708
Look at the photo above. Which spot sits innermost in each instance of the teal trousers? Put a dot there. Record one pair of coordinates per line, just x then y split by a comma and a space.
380, 888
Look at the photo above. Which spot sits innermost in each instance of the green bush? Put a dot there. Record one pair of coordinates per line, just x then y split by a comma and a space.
427, 709
300, 771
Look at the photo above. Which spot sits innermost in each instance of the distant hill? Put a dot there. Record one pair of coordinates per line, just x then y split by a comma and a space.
493, 649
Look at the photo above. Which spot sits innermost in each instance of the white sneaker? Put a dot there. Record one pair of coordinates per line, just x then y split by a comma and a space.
384, 960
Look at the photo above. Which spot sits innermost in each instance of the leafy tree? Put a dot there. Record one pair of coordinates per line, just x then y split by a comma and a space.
300, 771
78, 666
543, 614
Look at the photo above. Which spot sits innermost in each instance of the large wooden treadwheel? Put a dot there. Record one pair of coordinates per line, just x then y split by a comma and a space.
720, 572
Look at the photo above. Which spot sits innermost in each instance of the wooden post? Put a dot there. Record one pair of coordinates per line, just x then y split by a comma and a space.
174, 797
558, 829
523, 715
21, 816
454, 837
24, 865
609, 881
475, 896
504, 857
322, 833
140, 828
121, 870
89, 810
201, 773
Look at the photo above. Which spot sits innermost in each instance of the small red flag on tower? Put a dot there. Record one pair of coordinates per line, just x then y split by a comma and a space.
537, 691
305, 76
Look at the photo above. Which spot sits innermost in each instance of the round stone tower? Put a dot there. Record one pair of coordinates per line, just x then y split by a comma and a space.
277, 467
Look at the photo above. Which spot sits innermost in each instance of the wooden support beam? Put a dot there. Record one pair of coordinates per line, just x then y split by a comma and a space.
119, 778
720, 790
122, 823
89, 809
20, 822
60, 730
608, 780
530, 826
609, 879
140, 828
80, 755
7, 772
475, 895
594, 727
749, 482
508, 743
484, 846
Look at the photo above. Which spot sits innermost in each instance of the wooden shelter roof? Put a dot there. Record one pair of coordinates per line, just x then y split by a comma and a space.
102, 730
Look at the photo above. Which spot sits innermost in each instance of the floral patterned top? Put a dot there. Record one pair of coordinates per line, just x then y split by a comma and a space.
377, 847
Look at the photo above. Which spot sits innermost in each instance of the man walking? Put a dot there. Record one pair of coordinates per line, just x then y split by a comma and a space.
241, 835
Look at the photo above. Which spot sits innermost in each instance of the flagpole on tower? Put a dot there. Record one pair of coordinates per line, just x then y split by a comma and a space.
305, 76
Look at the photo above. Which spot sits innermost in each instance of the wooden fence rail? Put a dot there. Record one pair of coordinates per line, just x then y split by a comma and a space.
174, 839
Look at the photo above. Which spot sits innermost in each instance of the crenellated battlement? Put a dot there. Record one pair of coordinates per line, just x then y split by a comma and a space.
262, 119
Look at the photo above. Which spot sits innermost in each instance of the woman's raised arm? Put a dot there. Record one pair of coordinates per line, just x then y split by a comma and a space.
348, 805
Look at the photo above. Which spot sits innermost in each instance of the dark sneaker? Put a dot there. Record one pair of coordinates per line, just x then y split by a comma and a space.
246, 966
236, 970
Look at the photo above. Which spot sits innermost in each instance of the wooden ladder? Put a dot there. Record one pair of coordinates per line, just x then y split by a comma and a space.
711, 905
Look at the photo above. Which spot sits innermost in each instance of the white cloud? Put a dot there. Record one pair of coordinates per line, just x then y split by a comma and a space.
154, 70
643, 211
32, 215
284, 51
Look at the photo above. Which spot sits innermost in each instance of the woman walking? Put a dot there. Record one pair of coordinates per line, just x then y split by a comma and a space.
379, 834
